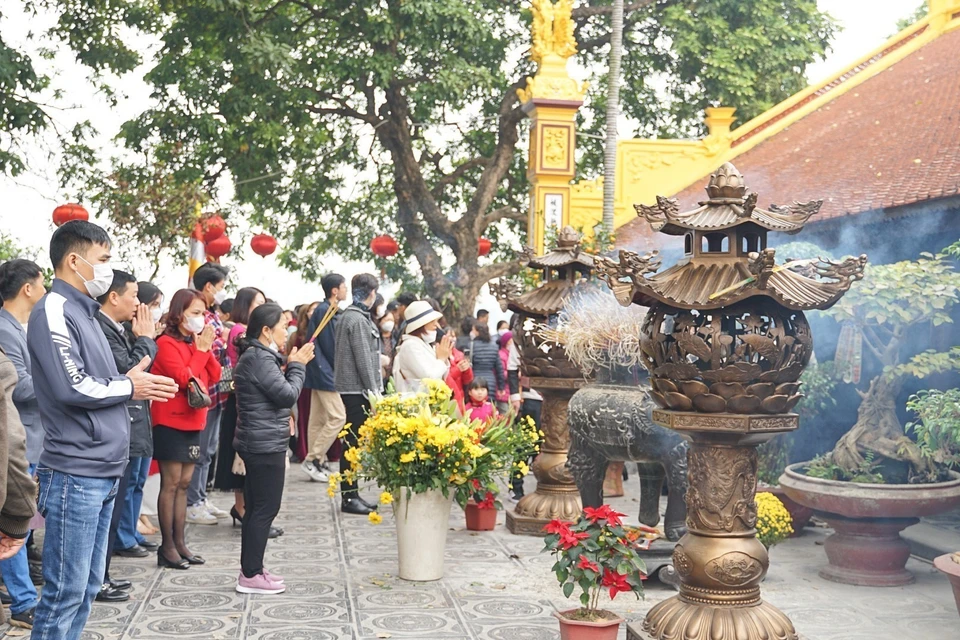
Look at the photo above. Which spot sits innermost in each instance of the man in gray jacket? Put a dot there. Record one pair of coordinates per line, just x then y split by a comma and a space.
21, 287
357, 374
82, 400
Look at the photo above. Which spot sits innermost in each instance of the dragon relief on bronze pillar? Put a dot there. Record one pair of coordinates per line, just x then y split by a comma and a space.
723, 483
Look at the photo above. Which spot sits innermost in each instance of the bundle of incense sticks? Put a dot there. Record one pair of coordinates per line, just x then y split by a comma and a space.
746, 281
327, 317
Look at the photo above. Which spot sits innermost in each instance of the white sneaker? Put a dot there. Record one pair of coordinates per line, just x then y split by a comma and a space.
215, 511
316, 475
198, 514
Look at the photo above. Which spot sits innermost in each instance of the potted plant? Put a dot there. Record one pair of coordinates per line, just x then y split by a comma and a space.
507, 445
877, 480
594, 554
774, 524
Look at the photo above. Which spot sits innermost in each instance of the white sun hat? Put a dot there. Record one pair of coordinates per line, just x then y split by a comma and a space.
418, 314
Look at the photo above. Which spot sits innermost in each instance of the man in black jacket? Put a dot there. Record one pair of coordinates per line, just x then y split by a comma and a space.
130, 331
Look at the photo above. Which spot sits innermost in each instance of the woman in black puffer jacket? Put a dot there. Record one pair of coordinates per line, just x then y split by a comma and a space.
265, 396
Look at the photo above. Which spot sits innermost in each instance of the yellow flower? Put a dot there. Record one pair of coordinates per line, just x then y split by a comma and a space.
523, 468
408, 457
386, 497
331, 492
375, 518
343, 434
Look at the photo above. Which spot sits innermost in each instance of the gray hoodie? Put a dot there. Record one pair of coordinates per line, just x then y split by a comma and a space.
81, 395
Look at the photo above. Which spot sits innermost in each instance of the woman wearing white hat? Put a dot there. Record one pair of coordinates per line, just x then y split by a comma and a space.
418, 358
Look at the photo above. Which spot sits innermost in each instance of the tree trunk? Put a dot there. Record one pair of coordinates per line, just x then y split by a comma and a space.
879, 430
613, 113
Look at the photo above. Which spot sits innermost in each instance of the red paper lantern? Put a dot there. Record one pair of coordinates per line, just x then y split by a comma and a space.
213, 228
263, 244
485, 246
218, 247
67, 212
384, 246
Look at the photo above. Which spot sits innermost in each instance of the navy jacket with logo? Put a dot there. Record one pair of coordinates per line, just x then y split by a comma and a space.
81, 395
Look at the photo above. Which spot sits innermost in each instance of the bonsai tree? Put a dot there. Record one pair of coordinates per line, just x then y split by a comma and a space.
937, 427
892, 302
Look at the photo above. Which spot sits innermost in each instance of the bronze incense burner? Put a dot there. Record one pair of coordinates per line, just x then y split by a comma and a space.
725, 341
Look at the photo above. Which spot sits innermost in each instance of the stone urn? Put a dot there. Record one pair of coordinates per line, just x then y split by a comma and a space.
866, 548
949, 565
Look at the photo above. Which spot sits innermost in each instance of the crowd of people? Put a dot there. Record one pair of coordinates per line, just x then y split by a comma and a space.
119, 405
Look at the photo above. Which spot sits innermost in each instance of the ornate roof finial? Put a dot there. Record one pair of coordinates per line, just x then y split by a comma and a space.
726, 184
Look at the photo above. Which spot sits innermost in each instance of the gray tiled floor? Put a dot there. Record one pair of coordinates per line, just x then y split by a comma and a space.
342, 584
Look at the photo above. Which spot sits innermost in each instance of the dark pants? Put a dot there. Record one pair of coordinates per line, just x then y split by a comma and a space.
262, 492
356, 407
118, 507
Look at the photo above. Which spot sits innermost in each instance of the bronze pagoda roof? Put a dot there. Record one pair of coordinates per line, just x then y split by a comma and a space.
545, 300
567, 253
728, 205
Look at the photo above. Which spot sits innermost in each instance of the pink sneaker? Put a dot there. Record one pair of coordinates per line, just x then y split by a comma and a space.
259, 584
272, 577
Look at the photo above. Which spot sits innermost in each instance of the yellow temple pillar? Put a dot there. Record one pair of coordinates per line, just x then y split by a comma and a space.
551, 100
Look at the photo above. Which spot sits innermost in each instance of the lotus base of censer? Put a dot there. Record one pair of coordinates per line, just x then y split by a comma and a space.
720, 561
557, 496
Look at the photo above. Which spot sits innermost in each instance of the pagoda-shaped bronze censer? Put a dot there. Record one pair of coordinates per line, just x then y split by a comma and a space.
725, 341
552, 374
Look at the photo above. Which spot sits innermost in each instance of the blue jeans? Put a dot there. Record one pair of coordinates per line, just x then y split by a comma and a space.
77, 512
16, 575
127, 534
209, 443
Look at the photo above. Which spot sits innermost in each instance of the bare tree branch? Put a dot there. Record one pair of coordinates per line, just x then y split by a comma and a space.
503, 213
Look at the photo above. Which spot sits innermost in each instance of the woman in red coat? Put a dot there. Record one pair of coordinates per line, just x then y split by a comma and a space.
183, 353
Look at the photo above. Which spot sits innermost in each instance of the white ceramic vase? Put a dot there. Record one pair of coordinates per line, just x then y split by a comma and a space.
422, 524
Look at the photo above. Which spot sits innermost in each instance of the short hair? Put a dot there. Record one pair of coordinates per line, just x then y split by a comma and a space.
227, 305
16, 273
148, 292
179, 304
363, 284
502, 323
406, 299
393, 305
242, 303
481, 313
74, 237
478, 383
330, 282
121, 279
209, 273
467, 325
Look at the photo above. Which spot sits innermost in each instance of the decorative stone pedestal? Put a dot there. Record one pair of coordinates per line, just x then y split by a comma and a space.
557, 496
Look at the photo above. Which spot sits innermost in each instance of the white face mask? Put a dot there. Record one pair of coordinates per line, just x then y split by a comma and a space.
220, 296
102, 279
388, 326
273, 347
156, 313
195, 324
430, 337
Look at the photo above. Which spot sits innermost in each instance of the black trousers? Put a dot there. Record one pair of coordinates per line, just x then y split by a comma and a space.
118, 503
263, 492
356, 408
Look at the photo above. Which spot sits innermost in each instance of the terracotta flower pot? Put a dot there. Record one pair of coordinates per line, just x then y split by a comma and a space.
585, 630
480, 519
951, 569
799, 514
866, 548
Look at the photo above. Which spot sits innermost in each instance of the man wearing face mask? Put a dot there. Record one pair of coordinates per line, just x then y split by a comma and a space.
130, 344
210, 280
82, 399
419, 355
327, 415
357, 375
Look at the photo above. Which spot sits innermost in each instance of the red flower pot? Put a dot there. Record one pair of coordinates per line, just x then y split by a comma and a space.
585, 630
480, 519
951, 569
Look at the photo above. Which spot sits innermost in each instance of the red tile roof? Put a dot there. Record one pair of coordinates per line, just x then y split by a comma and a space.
891, 141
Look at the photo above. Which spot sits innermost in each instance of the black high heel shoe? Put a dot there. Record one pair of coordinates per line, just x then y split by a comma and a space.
162, 562
235, 515
194, 559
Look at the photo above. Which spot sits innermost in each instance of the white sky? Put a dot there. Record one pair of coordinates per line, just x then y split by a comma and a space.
32, 197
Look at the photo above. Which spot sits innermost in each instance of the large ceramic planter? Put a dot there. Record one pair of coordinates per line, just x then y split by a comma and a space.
951, 568
584, 630
422, 524
479, 519
866, 548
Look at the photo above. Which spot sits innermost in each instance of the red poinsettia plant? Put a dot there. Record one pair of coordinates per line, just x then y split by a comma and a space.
595, 554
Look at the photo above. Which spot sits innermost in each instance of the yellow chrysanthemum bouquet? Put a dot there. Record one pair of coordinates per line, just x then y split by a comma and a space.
774, 524
417, 442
